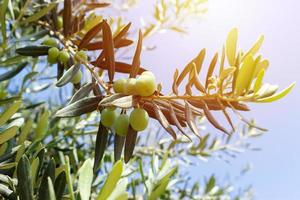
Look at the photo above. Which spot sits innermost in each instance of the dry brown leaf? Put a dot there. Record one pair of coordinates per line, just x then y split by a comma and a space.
198, 61
211, 69
90, 35
174, 85
164, 122
136, 62
176, 122
119, 67
67, 17
129, 144
109, 52
212, 120
99, 45
190, 119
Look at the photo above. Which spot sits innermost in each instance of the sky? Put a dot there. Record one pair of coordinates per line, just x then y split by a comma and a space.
275, 174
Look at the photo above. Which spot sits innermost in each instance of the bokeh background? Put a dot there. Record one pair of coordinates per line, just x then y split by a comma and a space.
275, 172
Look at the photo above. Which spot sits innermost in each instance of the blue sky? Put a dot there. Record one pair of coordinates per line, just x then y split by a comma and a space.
275, 174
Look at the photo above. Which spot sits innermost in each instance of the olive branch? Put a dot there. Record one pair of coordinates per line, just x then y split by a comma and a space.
238, 81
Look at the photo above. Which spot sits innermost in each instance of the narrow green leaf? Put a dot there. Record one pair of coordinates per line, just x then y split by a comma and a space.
10, 74
42, 126
43, 193
4, 166
60, 185
210, 184
159, 190
231, 46
277, 96
7, 114
258, 82
69, 178
111, 181
119, 192
34, 51
34, 169
85, 179
24, 187
25, 130
8, 134
51, 192
245, 75
39, 14
4, 6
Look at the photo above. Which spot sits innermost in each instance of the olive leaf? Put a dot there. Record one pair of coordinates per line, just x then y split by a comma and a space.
85, 179
231, 45
24, 187
34, 51
60, 185
84, 91
68, 75
164, 122
118, 146
129, 144
122, 102
67, 17
7, 114
101, 143
82, 106
90, 35
111, 181
39, 14
10, 74
109, 50
137, 56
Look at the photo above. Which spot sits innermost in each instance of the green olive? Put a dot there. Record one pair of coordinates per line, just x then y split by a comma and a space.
119, 85
64, 56
121, 125
51, 42
139, 119
145, 85
53, 53
81, 56
130, 87
108, 117
77, 78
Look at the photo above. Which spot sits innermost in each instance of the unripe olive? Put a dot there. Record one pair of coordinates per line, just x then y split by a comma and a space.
145, 85
59, 22
64, 56
130, 87
139, 119
50, 42
119, 85
81, 56
121, 125
53, 53
108, 117
77, 78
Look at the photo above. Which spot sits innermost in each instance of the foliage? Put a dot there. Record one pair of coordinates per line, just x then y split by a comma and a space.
59, 149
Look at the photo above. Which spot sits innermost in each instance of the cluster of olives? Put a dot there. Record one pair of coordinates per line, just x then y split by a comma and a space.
55, 55
138, 120
144, 85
